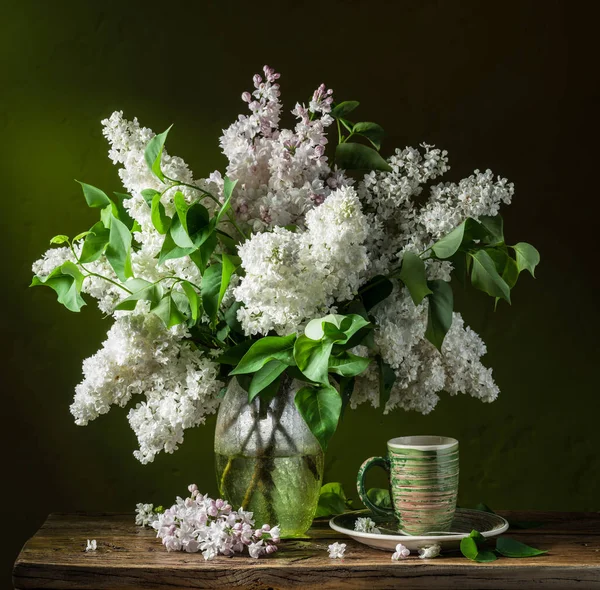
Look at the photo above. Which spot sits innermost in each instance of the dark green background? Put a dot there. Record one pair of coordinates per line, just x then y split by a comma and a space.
502, 85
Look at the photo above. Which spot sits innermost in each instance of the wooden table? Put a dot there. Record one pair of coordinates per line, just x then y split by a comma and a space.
130, 557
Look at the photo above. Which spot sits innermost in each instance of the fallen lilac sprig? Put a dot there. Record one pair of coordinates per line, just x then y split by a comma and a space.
199, 523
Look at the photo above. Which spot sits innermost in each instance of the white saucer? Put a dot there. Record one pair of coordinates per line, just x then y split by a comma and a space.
465, 520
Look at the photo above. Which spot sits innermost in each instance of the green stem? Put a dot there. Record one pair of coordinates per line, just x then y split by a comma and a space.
339, 128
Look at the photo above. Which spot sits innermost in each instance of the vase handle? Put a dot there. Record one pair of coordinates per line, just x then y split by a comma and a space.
360, 484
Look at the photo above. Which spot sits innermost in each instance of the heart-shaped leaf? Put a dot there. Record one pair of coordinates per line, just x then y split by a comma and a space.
413, 275
356, 156
320, 407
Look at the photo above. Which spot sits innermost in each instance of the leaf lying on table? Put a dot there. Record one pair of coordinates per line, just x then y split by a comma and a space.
470, 547
511, 548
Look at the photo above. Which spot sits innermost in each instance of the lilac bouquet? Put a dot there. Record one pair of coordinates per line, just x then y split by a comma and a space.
311, 256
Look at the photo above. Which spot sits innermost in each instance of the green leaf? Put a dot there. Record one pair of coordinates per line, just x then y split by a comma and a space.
231, 319
153, 153
141, 291
201, 256
387, 378
107, 214
82, 235
373, 132
168, 312
94, 244
332, 500
439, 315
380, 497
170, 250
265, 350
413, 275
211, 286
149, 194
485, 277
527, 257
192, 296
235, 354
94, 196
160, 219
60, 239
264, 377
118, 251
511, 548
312, 357
343, 109
122, 212
228, 270
353, 323
494, 226
375, 291
356, 156
314, 329
228, 186
450, 243
510, 274
348, 364
485, 556
468, 547
320, 407
66, 280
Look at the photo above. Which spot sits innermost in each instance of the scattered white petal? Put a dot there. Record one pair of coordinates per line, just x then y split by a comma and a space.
91, 545
429, 551
336, 550
401, 552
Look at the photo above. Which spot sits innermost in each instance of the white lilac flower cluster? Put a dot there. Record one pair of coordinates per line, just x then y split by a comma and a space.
364, 524
292, 277
199, 523
315, 237
281, 173
139, 356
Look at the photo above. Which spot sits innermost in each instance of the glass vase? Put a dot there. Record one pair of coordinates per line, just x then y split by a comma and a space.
267, 460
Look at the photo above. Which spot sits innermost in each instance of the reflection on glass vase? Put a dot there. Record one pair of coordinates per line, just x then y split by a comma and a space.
267, 459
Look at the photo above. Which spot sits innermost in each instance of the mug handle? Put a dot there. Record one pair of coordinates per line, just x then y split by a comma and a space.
360, 484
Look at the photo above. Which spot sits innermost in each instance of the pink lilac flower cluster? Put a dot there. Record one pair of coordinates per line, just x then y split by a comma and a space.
199, 523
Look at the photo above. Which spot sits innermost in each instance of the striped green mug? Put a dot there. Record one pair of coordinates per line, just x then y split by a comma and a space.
423, 473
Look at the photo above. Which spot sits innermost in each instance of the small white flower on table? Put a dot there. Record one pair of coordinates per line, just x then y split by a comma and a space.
256, 549
336, 550
91, 545
401, 552
429, 551
365, 525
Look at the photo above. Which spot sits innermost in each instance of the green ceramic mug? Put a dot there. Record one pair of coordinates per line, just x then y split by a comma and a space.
423, 473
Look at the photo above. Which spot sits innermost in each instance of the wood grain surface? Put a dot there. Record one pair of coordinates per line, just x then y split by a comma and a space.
130, 557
